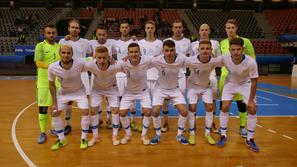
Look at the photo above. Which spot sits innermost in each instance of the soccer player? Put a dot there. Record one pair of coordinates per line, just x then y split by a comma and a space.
242, 78
201, 66
168, 65
121, 47
101, 34
182, 46
231, 28
204, 32
104, 84
81, 49
46, 52
68, 72
136, 69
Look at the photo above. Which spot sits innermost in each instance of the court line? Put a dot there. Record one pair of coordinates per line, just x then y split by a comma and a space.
15, 140
288, 137
265, 98
260, 126
272, 131
277, 94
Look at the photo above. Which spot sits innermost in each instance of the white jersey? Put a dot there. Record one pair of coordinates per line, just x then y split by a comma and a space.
80, 47
70, 79
109, 44
168, 73
182, 46
216, 51
151, 49
103, 79
240, 73
121, 47
200, 71
136, 75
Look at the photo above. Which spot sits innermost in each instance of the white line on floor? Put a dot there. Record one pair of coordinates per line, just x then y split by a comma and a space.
15, 140
272, 131
288, 137
265, 98
260, 126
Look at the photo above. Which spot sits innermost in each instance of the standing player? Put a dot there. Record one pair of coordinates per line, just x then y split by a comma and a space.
204, 32
46, 52
201, 66
121, 47
68, 72
169, 65
182, 46
136, 69
104, 84
231, 28
101, 34
242, 78
81, 49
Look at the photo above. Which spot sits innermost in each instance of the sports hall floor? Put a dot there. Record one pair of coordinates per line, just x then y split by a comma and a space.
276, 135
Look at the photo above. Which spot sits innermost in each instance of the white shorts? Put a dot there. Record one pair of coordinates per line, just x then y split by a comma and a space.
182, 81
79, 97
121, 82
151, 84
174, 94
214, 87
230, 89
111, 94
86, 82
129, 98
193, 94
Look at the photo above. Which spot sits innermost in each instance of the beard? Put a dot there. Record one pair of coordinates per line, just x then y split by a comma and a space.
66, 62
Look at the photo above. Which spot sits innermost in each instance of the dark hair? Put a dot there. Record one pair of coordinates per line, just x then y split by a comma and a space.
169, 43
124, 22
49, 26
101, 27
205, 42
231, 21
236, 41
133, 45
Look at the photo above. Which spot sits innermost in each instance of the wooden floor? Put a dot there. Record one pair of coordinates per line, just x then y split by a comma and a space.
15, 95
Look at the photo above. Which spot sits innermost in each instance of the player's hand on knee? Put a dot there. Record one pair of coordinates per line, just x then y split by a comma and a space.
251, 107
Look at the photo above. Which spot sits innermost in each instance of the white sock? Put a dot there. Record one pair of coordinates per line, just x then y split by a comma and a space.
126, 124
145, 125
115, 119
208, 122
85, 123
94, 124
157, 125
251, 125
68, 114
224, 117
58, 125
191, 118
181, 124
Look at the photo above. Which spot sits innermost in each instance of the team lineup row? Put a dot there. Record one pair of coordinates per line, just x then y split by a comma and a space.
165, 80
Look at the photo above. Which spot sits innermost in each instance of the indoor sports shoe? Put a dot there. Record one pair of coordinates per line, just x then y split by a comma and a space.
182, 140
93, 141
243, 132
145, 140
155, 140
115, 141
59, 144
192, 139
67, 129
125, 139
133, 126
209, 139
165, 128
222, 141
83, 144
252, 145
42, 138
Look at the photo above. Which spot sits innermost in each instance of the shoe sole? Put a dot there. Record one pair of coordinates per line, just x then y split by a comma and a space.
252, 148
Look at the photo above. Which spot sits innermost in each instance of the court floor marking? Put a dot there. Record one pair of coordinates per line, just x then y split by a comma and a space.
15, 140
276, 94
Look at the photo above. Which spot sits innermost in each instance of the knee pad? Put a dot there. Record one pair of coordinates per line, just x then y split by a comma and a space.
241, 106
43, 110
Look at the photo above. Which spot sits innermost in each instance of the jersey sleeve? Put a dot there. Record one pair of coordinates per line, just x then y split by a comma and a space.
51, 75
253, 69
38, 53
249, 49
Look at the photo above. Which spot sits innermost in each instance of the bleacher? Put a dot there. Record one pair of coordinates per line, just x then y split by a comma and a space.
283, 21
269, 47
216, 19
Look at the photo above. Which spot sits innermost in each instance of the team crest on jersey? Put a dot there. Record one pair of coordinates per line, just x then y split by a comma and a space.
163, 72
196, 70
